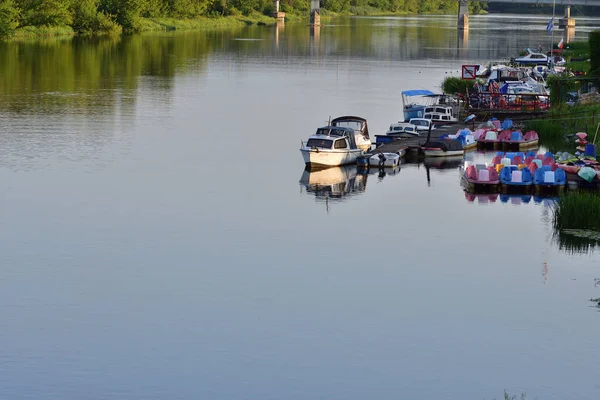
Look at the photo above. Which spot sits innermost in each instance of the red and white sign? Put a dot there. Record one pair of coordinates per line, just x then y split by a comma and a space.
469, 71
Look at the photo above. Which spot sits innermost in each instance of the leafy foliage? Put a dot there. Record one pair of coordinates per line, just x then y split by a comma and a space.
99, 17
9, 14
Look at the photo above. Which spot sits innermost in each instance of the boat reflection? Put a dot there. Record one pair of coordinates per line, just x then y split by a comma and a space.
513, 199
333, 184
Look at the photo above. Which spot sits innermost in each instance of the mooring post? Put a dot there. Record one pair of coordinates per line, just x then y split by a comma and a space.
463, 14
315, 14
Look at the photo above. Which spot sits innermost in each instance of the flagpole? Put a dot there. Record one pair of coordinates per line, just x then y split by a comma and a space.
552, 36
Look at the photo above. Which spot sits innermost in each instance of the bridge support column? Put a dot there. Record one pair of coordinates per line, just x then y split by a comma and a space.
276, 13
463, 14
567, 21
315, 13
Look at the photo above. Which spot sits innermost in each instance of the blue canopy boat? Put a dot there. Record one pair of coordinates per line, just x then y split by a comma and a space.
416, 109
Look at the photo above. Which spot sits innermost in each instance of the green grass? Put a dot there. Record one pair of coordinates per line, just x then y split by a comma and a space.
577, 210
172, 24
29, 32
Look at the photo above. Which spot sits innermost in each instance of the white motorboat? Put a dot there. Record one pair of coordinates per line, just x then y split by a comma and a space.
532, 58
331, 146
402, 128
360, 127
440, 118
422, 124
384, 160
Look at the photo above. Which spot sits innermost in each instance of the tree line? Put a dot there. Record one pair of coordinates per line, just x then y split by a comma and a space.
90, 17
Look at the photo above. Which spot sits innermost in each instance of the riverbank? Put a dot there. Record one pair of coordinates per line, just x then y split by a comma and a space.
153, 25
109, 27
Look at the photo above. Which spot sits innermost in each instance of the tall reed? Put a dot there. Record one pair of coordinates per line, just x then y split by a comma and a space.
577, 210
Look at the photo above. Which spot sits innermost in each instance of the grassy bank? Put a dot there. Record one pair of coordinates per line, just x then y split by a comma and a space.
204, 23
31, 32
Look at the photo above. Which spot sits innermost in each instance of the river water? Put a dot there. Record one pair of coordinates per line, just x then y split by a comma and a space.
161, 239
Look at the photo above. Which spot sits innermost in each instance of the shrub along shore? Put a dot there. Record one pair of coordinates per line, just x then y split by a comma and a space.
33, 18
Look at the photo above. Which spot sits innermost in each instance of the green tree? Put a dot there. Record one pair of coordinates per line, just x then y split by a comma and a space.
46, 12
9, 18
87, 20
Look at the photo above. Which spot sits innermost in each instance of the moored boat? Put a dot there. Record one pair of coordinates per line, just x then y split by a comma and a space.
545, 178
488, 140
331, 146
442, 148
511, 177
416, 109
516, 140
360, 127
481, 176
384, 160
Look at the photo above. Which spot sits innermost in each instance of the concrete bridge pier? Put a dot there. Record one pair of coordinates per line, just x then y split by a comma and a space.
315, 14
463, 14
567, 22
276, 13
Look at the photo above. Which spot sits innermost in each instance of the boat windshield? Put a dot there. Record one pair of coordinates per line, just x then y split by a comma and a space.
320, 143
355, 125
420, 122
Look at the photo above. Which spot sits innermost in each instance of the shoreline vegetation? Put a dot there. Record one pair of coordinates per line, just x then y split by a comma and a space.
25, 19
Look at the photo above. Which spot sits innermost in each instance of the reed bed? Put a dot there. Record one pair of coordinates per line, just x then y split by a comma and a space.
577, 210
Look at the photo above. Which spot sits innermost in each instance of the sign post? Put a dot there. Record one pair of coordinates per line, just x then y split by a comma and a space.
469, 71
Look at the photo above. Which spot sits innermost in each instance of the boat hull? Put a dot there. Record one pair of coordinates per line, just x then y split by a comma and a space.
388, 160
430, 152
516, 146
488, 145
329, 158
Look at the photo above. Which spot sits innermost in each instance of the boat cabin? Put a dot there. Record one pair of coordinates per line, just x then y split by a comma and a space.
447, 110
507, 74
421, 124
332, 137
402, 127
439, 118
357, 124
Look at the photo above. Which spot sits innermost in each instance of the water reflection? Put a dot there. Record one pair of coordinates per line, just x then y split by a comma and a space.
333, 184
577, 241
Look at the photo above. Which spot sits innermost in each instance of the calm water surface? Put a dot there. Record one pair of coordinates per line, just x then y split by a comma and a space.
161, 239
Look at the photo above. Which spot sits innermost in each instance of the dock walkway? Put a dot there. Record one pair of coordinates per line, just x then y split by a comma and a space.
414, 143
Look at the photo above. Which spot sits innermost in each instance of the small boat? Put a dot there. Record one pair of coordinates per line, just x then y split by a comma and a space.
489, 140
360, 127
440, 119
546, 178
481, 176
331, 146
416, 109
422, 124
517, 141
402, 128
466, 138
384, 160
443, 148
396, 131
532, 58
511, 177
